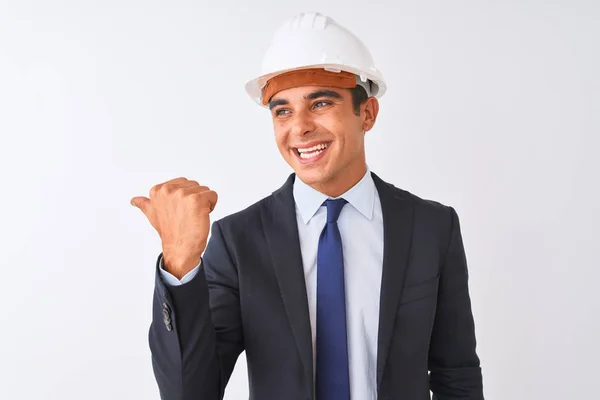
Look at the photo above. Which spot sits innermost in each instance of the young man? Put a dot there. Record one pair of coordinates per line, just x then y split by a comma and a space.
339, 285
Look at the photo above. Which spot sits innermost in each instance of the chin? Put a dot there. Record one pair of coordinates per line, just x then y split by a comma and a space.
311, 176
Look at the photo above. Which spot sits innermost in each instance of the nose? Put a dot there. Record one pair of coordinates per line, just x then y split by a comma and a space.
302, 124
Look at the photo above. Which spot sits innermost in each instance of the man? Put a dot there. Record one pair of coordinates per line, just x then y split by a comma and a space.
338, 285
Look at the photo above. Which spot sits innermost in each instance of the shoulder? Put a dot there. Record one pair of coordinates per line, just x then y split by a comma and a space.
427, 212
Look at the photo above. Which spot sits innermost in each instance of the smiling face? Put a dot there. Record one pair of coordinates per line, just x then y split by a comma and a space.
321, 137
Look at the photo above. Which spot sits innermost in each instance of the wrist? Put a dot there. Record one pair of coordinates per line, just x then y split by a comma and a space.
179, 266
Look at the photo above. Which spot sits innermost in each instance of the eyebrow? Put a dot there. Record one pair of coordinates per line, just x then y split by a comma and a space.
277, 102
311, 96
323, 93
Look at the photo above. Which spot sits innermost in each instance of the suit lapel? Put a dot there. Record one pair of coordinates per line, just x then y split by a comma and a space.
281, 230
397, 213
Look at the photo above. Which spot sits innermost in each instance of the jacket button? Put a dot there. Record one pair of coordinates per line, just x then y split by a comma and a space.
166, 311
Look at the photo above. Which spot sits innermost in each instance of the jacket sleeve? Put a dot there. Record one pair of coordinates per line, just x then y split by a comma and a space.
196, 336
455, 372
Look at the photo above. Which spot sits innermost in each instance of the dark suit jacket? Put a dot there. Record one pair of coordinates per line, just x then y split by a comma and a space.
252, 297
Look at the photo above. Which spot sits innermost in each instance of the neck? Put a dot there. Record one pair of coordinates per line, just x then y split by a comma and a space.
340, 184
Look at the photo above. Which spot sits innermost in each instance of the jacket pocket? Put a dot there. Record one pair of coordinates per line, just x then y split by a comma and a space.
420, 290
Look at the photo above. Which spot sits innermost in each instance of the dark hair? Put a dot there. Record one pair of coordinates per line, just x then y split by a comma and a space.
359, 96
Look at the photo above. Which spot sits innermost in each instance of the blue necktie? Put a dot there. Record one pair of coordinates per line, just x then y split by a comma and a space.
332, 377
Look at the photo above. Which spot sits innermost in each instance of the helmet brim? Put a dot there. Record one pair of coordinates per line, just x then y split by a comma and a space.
378, 88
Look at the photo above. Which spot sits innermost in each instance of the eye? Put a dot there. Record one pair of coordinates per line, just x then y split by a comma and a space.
321, 104
281, 111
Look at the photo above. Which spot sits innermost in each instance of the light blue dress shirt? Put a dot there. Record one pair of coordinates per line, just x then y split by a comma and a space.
361, 229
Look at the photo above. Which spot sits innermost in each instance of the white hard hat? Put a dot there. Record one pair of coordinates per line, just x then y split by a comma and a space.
313, 40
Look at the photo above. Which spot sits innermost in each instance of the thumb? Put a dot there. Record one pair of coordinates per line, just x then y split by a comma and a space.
143, 203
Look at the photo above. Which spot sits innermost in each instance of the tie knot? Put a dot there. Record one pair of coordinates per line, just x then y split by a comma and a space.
334, 208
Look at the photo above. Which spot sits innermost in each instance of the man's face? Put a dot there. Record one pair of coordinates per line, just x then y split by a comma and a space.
320, 136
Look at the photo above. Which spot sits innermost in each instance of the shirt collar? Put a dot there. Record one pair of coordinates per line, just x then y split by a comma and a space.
361, 196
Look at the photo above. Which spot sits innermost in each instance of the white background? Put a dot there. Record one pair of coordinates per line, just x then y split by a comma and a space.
493, 108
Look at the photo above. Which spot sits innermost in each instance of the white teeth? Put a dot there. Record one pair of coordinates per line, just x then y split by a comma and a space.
321, 146
312, 154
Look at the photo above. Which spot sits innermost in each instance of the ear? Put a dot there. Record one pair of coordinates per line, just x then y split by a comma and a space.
371, 109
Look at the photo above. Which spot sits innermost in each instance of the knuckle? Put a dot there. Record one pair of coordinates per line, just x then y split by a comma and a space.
178, 192
155, 189
168, 188
198, 199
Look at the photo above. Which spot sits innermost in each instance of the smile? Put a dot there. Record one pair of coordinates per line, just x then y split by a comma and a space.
312, 153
